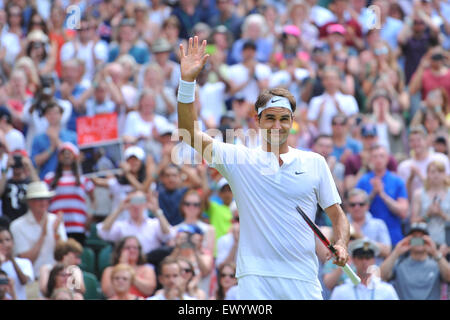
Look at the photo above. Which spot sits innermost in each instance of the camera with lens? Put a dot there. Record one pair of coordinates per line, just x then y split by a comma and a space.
44, 95
18, 163
188, 244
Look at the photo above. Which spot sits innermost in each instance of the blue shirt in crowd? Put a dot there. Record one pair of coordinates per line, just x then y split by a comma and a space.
42, 142
169, 202
395, 188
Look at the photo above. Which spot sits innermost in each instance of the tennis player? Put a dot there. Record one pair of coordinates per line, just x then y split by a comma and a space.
276, 253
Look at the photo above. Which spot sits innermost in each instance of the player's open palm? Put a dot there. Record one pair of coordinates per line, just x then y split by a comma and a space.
192, 62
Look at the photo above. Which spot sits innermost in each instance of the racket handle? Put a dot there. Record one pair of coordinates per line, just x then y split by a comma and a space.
351, 274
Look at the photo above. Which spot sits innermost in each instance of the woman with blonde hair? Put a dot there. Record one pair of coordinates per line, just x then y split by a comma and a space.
142, 283
431, 203
26, 64
122, 277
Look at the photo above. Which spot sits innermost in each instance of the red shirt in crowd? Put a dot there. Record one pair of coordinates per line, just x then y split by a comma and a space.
430, 82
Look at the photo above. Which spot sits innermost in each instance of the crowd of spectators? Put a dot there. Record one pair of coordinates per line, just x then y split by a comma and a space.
371, 79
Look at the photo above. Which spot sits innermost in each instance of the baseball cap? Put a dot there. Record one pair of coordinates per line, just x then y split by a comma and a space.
222, 183
363, 247
166, 128
336, 28
4, 112
189, 228
368, 129
418, 226
134, 151
292, 30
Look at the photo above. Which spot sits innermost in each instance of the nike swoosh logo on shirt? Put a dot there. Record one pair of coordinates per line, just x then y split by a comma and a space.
298, 172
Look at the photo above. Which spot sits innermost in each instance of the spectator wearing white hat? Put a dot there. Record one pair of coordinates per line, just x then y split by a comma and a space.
35, 233
136, 175
363, 253
71, 192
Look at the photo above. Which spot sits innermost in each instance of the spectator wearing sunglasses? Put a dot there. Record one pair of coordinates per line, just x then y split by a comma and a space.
151, 232
365, 225
191, 210
226, 279
191, 279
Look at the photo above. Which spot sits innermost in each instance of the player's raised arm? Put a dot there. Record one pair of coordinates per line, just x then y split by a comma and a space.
191, 63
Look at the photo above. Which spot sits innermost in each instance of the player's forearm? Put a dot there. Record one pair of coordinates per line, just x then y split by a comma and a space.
187, 117
341, 226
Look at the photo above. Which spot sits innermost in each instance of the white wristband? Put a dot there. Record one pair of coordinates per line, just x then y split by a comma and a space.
186, 91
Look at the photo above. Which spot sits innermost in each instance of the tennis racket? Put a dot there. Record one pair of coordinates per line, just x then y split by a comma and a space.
350, 273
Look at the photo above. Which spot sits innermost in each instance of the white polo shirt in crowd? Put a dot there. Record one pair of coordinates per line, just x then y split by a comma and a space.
27, 268
274, 240
347, 104
149, 233
378, 290
26, 232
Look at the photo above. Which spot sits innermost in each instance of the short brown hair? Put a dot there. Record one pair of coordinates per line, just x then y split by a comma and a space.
266, 95
64, 247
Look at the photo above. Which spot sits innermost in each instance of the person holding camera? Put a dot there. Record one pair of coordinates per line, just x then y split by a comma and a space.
431, 204
419, 274
364, 252
6, 287
188, 245
14, 138
151, 232
14, 189
20, 270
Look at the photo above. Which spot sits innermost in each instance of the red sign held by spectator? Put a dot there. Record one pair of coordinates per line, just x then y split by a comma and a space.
98, 128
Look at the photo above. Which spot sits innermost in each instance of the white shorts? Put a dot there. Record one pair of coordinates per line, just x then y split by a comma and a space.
253, 287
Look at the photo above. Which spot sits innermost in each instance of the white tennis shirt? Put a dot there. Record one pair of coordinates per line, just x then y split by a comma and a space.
274, 238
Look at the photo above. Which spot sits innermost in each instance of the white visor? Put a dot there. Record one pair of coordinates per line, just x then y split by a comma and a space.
276, 101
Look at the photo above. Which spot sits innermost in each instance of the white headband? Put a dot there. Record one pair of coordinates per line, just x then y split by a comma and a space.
276, 101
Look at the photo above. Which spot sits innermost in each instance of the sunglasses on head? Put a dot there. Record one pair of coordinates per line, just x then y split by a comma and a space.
192, 204
354, 204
